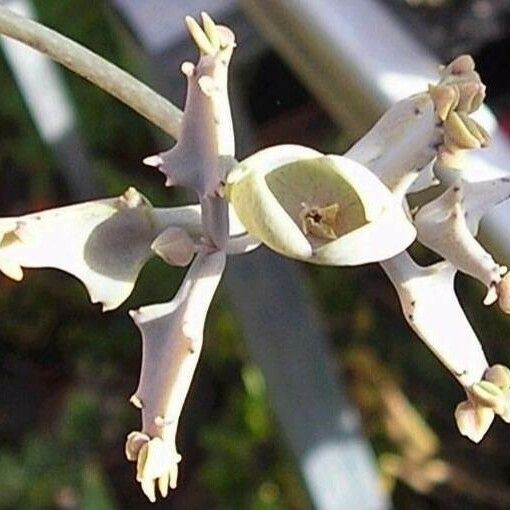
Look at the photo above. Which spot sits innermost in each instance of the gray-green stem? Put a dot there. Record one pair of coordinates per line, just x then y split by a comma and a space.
94, 68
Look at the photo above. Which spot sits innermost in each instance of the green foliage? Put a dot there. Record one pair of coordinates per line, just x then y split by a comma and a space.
46, 473
245, 462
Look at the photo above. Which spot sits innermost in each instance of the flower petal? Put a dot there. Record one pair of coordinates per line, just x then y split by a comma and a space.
473, 421
321, 209
257, 207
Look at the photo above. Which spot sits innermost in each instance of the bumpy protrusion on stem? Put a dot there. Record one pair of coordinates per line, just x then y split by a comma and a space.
172, 335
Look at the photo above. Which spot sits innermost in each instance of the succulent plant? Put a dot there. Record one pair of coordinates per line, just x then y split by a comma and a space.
323, 209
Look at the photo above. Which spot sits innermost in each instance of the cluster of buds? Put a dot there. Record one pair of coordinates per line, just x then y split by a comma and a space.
322, 209
486, 398
459, 93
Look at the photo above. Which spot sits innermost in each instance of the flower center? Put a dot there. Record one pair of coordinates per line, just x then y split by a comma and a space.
318, 221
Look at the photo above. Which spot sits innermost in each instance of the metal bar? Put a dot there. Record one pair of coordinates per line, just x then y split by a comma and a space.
281, 326
50, 108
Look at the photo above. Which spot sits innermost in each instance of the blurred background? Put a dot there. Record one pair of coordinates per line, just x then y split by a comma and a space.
67, 370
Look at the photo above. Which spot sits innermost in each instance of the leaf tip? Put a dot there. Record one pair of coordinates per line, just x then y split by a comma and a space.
154, 161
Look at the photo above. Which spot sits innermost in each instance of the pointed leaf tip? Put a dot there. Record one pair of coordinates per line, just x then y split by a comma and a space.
155, 161
199, 36
11, 270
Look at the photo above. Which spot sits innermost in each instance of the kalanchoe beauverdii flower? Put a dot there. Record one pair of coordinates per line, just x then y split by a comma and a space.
325, 209
321, 209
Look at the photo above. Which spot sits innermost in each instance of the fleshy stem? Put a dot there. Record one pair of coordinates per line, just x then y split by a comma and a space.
95, 69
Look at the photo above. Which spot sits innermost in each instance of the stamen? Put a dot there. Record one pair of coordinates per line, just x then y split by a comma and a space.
320, 221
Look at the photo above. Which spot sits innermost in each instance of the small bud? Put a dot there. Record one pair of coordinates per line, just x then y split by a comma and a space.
487, 394
134, 442
498, 375
471, 96
211, 30
462, 132
132, 199
200, 37
175, 246
460, 65
473, 421
156, 463
460, 89
445, 99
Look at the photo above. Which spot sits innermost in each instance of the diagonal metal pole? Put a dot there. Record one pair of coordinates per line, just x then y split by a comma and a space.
281, 326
